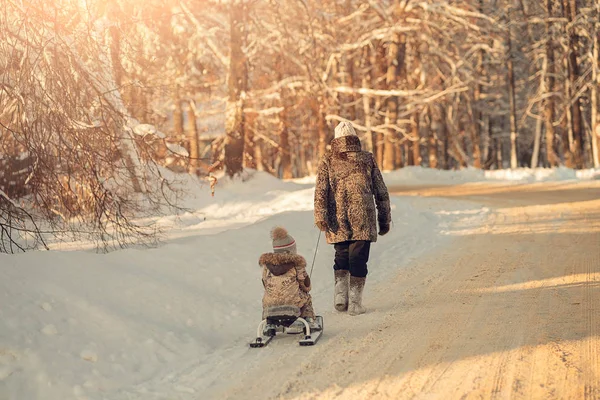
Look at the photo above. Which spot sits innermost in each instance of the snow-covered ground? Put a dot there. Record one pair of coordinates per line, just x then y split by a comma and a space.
419, 176
81, 325
425, 176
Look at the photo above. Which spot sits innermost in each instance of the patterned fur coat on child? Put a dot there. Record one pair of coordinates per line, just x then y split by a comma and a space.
284, 277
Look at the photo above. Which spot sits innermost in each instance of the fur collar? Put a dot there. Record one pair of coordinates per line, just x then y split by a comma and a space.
282, 259
346, 144
280, 263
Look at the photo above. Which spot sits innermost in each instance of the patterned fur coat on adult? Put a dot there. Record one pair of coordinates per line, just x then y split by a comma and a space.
285, 280
349, 187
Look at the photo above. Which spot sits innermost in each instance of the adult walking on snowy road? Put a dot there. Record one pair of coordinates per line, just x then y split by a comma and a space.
349, 187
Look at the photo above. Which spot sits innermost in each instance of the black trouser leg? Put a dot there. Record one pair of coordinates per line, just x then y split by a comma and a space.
352, 256
342, 256
358, 258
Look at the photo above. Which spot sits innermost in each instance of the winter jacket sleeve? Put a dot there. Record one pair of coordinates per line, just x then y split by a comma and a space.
302, 276
264, 276
382, 197
321, 192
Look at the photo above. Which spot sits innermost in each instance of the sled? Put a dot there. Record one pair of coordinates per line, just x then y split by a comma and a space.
280, 318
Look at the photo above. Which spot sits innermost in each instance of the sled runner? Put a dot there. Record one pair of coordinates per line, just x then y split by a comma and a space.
279, 318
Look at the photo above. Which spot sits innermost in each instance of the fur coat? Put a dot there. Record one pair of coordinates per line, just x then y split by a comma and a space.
350, 195
285, 280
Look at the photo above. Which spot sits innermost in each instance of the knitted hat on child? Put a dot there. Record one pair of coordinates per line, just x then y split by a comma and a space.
344, 129
282, 241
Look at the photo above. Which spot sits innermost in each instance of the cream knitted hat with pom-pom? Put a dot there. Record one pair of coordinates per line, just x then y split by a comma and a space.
282, 241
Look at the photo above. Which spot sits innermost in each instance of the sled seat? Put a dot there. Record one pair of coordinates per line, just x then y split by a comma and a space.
282, 315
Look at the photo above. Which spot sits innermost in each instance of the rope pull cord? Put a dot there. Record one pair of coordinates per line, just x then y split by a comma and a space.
315, 256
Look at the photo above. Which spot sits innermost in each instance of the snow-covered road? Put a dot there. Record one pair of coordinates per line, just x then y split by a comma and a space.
173, 322
507, 309
479, 291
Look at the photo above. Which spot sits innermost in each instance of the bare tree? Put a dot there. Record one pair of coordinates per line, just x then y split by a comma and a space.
63, 111
237, 87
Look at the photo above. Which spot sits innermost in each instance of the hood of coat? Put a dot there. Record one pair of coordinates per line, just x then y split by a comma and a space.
280, 263
346, 144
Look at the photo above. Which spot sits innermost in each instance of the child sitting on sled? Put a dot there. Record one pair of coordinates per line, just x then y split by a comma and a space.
284, 277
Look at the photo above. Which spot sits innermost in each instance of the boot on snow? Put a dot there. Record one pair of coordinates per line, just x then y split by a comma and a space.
313, 324
355, 293
269, 330
342, 281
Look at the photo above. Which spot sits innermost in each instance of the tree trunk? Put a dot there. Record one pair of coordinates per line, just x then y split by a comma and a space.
193, 137
398, 155
249, 142
258, 156
322, 129
481, 119
576, 138
389, 159
476, 137
284, 149
445, 135
535, 157
378, 69
237, 85
513, 106
366, 83
433, 161
475, 142
109, 87
347, 79
367, 111
431, 141
389, 151
499, 161
478, 88
551, 155
380, 143
416, 140
489, 156
463, 145
128, 93
141, 112
300, 159
115, 56
178, 130
408, 154
477, 116
537, 141
594, 95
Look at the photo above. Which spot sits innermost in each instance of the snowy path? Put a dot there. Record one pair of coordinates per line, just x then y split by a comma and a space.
173, 322
479, 291
509, 309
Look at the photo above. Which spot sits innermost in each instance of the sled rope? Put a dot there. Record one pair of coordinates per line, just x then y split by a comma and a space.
315, 256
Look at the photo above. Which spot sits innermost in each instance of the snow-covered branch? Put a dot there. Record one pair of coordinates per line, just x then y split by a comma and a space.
200, 31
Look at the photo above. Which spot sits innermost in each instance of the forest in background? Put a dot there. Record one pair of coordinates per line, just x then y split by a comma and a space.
98, 98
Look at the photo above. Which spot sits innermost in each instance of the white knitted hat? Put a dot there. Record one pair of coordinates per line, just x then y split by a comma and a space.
344, 129
282, 241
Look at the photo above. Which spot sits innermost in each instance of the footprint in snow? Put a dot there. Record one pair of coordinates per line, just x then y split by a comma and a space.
49, 330
89, 355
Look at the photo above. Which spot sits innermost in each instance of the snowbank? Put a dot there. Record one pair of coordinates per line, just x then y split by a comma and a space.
425, 176
133, 324
536, 175
420, 176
